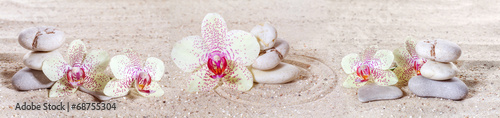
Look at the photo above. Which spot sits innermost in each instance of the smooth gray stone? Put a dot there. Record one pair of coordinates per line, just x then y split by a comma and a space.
438, 70
97, 94
453, 88
283, 73
43, 38
372, 92
34, 60
29, 79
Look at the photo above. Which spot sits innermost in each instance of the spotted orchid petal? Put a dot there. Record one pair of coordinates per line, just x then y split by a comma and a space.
238, 77
242, 46
54, 68
117, 87
133, 57
213, 31
404, 74
96, 81
155, 89
352, 81
155, 67
76, 52
384, 59
62, 88
96, 61
349, 63
188, 53
384, 77
402, 58
122, 67
410, 47
201, 81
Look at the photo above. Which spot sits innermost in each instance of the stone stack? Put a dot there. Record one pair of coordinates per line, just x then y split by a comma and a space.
43, 42
268, 67
438, 73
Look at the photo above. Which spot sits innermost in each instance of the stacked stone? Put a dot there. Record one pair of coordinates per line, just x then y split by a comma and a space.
43, 42
438, 73
268, 67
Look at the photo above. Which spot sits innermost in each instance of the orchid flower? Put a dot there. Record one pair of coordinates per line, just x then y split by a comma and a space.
83, 70
128, 71
218, 57
371, 67
408, 62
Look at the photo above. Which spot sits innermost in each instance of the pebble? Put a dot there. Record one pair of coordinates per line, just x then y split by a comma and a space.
97, 94
29, 79
453, 88
282, 47
283, 73
438, 50
265, 34
34, 60
439, 70
373, 92
44, 38
267, 61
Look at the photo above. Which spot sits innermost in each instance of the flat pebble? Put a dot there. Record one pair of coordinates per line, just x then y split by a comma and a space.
372, 92
97, 94
44, 38
453, 88
439, 70
267, 61
265, 34
438, 50
34, 60
283, 73
29, 79
282, 47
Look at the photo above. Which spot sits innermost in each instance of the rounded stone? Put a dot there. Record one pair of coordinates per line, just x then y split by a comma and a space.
453, 88
97, 94
44, 38
282, 47
34, 60
373, 92
283, 73
438, 50
267, 61
439, 70
29, 79
265, 34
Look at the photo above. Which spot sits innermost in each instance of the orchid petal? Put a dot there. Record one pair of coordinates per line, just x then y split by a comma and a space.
76, 52
155, 67
384, 59
133, 57
188, 53
96, 81
410, 47
402, 57
351, 82
349, 63
121, 67
154, 87
201, 81
369, 52
117, 87
242, 47
384, 77
404, 74
62, 88
96, 61
213, 31
54, 68
238, 77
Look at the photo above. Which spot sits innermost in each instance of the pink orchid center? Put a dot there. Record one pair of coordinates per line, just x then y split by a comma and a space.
217, 64
364, 72
418, 63
143, 81
75, 75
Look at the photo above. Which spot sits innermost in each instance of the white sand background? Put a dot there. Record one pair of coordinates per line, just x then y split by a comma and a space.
320, 33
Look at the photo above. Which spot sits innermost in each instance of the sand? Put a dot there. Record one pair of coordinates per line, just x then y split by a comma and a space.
319, 32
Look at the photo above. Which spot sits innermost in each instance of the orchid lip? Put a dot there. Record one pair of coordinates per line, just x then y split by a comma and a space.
75, 75
418, 63
364, 72
217, 64
143, 81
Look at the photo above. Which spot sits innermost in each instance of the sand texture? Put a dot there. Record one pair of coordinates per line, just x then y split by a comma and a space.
319, 32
